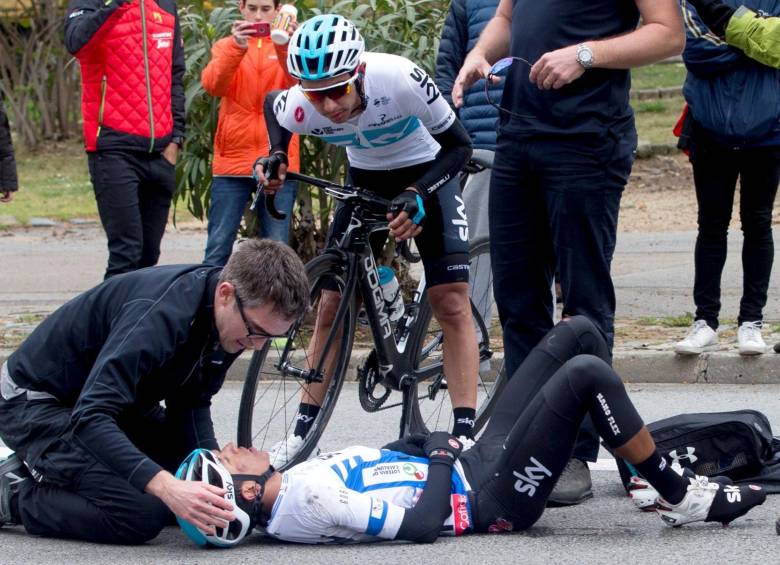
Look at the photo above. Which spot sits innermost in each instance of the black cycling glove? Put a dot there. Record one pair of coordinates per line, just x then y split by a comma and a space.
410, 202
714, 13
441, 447
270, 165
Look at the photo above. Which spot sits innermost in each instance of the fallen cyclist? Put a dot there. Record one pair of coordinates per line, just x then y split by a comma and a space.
421, 487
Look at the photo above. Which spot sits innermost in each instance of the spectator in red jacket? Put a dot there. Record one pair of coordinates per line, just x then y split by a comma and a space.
132, 63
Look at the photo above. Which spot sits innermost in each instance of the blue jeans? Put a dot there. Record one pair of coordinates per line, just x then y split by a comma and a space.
229, 196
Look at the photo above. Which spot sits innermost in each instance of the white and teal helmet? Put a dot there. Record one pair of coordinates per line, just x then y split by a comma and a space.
203, 466
324, 46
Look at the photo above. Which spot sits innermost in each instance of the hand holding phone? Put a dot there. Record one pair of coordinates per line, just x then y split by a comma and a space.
261, 29
242, 31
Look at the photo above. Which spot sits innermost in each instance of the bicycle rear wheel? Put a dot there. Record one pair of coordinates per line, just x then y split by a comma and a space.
277, 374
427, 404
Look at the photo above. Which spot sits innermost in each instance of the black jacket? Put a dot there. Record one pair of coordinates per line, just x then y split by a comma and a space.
121, 348
8, 180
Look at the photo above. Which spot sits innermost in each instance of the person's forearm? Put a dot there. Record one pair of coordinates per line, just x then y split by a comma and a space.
758, 38
648, 44
159, 484
494, 41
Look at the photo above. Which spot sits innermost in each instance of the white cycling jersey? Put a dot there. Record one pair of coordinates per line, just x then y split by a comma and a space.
404, 107
358, 494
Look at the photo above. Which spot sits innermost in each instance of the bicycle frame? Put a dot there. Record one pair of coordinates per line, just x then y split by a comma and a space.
390, 343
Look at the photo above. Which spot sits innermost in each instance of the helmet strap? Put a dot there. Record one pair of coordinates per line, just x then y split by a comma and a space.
360, 87
256, 514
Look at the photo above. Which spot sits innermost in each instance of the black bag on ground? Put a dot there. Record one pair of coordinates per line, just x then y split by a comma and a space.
736, 444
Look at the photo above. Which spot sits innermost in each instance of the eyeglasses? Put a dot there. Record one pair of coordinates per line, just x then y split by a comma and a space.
498, 67
250, 333
334, 91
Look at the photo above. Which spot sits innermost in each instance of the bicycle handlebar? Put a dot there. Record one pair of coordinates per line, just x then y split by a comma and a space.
341, 191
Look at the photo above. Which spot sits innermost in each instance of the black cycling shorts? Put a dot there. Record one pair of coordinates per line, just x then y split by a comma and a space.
444, 241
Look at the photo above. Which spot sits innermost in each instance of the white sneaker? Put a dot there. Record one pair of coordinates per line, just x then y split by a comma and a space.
695, 507
700, 338
285, 450
749, 339
467, 443
642, 494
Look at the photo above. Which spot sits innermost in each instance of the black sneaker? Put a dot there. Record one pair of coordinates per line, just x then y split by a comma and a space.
573, 486
12, 474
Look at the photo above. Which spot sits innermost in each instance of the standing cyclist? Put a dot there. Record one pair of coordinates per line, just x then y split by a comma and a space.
404, 142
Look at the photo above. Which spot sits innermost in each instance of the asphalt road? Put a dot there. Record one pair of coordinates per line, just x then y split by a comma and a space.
41, 268
606, 529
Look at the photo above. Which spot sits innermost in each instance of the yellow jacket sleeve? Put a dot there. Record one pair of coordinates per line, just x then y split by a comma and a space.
758, 38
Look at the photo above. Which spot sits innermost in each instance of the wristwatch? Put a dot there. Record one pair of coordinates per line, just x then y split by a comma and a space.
178, 140
584, 56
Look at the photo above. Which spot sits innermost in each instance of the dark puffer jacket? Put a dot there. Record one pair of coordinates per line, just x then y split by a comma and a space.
465, 21
8, 180
736, 99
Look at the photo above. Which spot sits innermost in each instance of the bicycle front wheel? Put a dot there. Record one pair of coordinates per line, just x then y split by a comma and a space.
427, 405
318, 345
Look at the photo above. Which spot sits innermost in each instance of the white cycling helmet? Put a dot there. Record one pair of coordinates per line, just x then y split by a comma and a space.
202, 465
324, 46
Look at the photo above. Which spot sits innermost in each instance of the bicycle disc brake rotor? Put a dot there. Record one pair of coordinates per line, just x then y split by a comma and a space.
369, 380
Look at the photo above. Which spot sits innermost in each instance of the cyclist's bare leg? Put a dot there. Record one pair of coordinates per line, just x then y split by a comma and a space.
452, 309
314, 393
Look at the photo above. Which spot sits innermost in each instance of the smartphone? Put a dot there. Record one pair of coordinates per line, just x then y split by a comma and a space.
261, 29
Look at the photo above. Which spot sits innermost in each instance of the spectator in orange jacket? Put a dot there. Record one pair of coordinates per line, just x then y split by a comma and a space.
242, 70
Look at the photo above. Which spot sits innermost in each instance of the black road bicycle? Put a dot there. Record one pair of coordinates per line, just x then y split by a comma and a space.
404, 367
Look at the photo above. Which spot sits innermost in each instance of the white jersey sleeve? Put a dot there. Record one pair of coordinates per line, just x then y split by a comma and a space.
421, 97
293, 110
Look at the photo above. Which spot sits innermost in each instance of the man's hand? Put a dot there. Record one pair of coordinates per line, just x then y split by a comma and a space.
171, 153
406, 215
7, 196
556, 69
242, 32
270, 172
474, 68
201, 505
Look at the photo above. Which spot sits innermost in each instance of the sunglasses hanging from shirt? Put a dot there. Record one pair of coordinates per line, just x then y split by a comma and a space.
499, 71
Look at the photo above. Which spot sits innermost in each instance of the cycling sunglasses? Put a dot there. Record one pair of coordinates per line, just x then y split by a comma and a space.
334, 91
495, 72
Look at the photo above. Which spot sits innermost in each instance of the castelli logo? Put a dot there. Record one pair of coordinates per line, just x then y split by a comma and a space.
453, 443
299, 115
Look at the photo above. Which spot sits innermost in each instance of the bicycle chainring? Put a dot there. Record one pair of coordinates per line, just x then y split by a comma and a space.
369, 383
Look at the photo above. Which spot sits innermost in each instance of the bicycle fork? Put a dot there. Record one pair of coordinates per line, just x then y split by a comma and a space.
286, 367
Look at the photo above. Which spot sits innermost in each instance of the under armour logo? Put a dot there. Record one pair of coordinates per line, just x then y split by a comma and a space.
689, 456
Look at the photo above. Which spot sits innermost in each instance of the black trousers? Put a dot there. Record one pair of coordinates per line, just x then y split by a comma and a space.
133, 192
73, 495
553, 207
716, 168
516, 463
